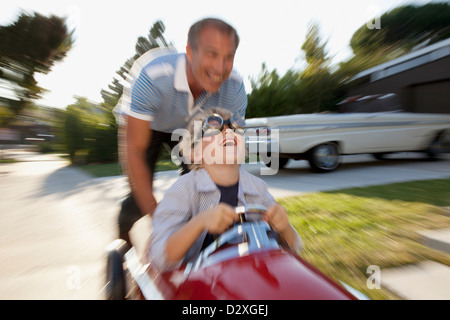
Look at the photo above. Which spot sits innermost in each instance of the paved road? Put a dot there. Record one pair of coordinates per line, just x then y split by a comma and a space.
50, 247
55, 221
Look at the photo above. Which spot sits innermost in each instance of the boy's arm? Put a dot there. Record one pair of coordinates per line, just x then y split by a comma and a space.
277, 218
214, 220
178, 243
292, 238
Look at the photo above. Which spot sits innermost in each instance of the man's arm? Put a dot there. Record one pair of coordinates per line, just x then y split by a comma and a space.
138, 136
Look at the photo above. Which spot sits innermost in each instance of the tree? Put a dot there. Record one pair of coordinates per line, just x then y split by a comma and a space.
405, 28
314, 89
315, 52
155, 39
31, 44
271, 94
90, 135
90, 129
319, 84
319, 87
73, 131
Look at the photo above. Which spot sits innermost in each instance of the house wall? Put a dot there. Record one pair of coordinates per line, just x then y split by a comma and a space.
424, 89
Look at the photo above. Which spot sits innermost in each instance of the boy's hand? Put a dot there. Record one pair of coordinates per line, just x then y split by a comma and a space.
219, 218
277, 218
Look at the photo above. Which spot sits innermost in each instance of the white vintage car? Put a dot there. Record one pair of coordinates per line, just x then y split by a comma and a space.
323, 138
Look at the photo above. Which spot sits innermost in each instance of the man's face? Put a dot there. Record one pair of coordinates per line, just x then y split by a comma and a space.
212, 60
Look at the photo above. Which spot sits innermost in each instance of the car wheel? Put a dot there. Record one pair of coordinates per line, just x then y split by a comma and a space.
379, 155
115, 277
324, 157
438, 146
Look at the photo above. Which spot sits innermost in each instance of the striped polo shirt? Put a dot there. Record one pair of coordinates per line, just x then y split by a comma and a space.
160, 93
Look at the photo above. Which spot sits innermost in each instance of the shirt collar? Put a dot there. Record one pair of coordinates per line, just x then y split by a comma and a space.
205, 183
180, 81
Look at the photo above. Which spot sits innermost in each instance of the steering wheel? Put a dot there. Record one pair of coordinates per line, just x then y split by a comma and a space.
250, 212
252, 236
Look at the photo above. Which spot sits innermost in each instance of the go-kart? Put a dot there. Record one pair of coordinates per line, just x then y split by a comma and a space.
247, 262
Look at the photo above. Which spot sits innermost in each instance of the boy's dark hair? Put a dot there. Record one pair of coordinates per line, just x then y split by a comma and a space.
195, 29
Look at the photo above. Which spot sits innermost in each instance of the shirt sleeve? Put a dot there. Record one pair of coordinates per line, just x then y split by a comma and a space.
143, 98
172, 212
240, 105
140, 97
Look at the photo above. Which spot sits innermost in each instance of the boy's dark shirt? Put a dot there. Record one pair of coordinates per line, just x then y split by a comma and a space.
228, 195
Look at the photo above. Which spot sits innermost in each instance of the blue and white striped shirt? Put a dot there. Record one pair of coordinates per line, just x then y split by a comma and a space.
160, 92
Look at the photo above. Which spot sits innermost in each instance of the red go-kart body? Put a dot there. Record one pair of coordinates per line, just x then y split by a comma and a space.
245, 263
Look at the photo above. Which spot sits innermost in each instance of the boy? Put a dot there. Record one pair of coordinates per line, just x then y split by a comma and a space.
199, 205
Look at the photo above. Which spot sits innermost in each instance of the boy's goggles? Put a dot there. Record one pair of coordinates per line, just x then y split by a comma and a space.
214, 124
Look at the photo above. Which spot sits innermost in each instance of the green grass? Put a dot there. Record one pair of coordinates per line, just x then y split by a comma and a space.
8, 160
103, 169
164, 163
346, 231
114, 169
435, 192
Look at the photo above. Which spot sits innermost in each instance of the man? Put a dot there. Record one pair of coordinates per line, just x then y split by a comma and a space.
167, 93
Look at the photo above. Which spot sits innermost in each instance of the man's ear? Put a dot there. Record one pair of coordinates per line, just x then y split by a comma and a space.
189, 53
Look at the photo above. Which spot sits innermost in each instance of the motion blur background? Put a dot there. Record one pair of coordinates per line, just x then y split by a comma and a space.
63, 64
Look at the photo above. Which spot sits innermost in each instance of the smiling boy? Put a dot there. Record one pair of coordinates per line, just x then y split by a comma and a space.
200, 204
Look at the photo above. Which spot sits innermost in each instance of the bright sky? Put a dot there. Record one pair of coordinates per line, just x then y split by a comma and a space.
270, 31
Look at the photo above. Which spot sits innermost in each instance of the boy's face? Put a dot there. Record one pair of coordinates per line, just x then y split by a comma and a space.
212, 60
226, 147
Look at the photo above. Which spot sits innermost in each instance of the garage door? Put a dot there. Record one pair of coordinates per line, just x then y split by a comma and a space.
432, 97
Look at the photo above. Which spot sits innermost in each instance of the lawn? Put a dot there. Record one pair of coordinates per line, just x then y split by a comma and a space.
164, 163
114, 169
346, 231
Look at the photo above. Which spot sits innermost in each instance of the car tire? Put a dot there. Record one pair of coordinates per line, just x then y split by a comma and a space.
115, 288
324, 157
437, 147
379, 155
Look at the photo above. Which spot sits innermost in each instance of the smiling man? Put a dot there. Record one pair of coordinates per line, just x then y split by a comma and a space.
168, 90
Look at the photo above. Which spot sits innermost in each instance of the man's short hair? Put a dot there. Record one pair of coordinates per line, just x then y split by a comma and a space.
196, 28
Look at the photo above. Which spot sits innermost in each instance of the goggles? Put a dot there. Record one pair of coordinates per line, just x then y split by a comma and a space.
214, 124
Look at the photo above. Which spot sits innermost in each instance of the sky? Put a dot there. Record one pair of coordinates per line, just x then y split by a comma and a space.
271, 32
